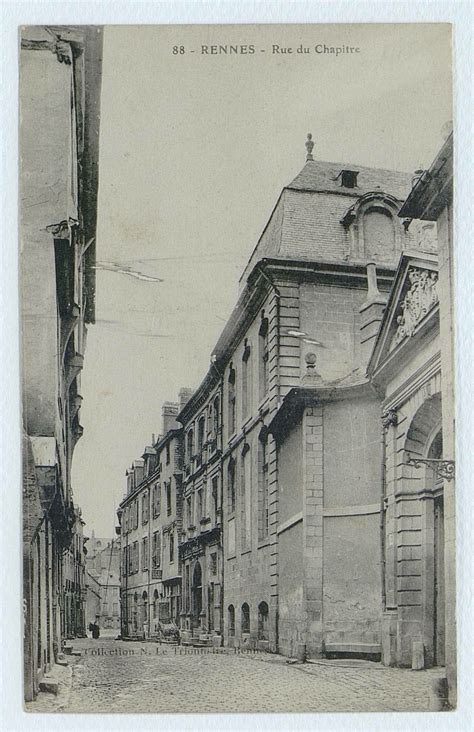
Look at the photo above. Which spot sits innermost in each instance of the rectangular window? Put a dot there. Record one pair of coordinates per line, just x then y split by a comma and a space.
215, 496
171, 540
200, 505
145, 553
263, 502
246, 381
231, 401
189, 511
213, 566
168, 498
145, 508
156, 550
168, 453
156, 500
231, 485
263, 357
245, 498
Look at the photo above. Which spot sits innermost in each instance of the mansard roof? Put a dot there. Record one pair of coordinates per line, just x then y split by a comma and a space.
322, 177
409, 314
306, 222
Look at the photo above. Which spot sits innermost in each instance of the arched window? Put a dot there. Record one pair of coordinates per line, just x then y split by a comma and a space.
231, 485
245, 618
231, 400
263, 621
379, 233
231, 620
155, 604
263, 356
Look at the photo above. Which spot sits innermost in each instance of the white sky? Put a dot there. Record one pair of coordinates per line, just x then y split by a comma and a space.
194, 152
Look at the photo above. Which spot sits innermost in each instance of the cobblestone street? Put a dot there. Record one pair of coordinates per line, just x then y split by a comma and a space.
117, 676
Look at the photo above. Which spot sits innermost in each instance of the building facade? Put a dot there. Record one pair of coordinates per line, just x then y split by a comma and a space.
200, 550
103, 582
60, 71
150, 518
431, 473
302, 449
74, 581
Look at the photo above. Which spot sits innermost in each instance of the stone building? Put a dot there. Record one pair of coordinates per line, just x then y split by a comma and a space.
412, 367
74, 581
60, 71
150, 517
302, 457
200, 549
103, 582
299, 451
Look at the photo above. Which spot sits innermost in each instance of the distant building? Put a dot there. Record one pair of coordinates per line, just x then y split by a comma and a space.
74, 581
60, 76
150, 517
103, 582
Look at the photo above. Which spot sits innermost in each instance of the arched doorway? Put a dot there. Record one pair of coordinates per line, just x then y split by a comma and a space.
435, 452
196, 593
423, 543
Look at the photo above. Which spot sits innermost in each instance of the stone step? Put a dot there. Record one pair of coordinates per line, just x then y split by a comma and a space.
49, 685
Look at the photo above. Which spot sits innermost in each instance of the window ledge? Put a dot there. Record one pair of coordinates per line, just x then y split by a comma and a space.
263, 543
246, 551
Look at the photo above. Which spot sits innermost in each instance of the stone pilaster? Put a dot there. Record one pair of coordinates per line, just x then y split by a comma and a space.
313, 528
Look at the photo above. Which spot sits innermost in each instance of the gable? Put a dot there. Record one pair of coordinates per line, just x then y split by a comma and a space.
412, 306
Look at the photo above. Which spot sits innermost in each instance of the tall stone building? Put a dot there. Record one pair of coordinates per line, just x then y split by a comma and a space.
60, 72
302, 448
103, 582
150, 517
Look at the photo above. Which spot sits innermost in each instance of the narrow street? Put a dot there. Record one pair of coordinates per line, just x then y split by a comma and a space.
118, 676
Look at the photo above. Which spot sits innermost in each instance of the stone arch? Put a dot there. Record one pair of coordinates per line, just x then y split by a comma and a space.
375, 232
424, 429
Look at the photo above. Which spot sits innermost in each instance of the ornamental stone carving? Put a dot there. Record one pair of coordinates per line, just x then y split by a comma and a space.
418, 301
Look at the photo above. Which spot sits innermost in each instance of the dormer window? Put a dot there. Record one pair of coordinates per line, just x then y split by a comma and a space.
348, 178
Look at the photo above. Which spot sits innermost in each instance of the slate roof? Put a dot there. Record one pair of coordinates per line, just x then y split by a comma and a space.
306, 221
320, 176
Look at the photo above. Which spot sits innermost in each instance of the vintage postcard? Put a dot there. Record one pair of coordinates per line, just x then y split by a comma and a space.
237, 366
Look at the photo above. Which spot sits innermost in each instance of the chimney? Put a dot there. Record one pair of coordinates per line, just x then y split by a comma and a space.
184, 396
169, 412
371, 312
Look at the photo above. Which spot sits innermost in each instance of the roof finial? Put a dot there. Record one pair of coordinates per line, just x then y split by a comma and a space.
309, 144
